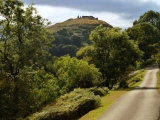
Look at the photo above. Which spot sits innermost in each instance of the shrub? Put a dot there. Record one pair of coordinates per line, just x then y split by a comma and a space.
99, 90
73, 73
69, 106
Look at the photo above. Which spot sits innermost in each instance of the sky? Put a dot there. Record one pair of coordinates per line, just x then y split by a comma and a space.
118, 13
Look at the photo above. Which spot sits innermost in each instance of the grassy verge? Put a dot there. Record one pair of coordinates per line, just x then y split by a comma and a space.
106, 101
136, 79
110, 98
158, 83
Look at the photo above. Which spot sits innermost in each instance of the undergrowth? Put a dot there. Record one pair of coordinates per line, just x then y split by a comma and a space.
72, 105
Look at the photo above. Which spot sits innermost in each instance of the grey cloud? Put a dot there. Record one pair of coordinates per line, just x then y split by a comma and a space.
128, 9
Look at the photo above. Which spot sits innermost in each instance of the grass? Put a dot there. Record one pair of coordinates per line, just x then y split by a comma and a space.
106, 101
72, 23
158, 83
136, 79
110, 98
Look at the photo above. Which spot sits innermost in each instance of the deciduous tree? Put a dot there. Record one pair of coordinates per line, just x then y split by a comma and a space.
73, 73
24, 44
147, 36
150, 17
113, 53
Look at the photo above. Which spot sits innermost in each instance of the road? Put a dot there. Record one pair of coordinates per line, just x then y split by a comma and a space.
142, 103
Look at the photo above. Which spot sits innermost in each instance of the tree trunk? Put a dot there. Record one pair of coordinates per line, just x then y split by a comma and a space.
15, 98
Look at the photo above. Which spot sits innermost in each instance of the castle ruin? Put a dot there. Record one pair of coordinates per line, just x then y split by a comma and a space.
87, 17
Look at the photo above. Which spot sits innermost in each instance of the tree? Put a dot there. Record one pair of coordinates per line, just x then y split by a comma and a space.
73, 73
85, 52
68, 49
77, 41
24, 45
157, 56
147, 37
54, 51
150, 17
113, 53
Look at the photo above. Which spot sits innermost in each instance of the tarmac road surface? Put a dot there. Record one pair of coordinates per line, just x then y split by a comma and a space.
142, 103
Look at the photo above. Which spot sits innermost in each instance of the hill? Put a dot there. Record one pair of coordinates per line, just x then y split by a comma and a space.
73, 34
79, 22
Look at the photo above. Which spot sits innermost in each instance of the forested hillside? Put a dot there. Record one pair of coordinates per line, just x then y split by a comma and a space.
73, 34
37, 75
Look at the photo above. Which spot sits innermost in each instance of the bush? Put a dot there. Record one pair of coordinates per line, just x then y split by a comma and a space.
147, 63
36, 88
69, 106
99, 90
73, 73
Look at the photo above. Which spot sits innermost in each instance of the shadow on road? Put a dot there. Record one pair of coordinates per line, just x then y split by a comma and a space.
146, 88
138, 88
159, 115
154, 66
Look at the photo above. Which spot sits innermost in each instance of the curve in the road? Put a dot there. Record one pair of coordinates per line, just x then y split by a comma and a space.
142, 103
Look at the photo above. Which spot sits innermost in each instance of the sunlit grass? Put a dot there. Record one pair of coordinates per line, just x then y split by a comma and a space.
110, 98
73, 23
136, 80
107, 101
158, 83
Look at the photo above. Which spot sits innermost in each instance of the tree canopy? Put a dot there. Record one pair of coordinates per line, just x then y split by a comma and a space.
112, 52
73, 73
150, 17
24, 45
147, 36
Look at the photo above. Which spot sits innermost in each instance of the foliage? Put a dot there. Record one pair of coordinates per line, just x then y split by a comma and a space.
68, 49
158, 82
112, 53
101, 91
150, 17
75, 40
64, 44
147, 37
72, 73
45, 88
109, 99
74, 104
73, 32
24, 45
135, 78
85, 52
62, 37
36, 89
142, 64
157, 56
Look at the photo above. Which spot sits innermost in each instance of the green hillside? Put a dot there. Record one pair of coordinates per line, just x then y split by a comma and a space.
73, 34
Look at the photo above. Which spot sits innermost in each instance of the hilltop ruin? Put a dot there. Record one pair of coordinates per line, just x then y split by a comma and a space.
86, 17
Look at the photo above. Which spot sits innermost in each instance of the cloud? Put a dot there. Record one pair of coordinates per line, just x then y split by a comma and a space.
125, 8
120, 13
58, 14
66, 13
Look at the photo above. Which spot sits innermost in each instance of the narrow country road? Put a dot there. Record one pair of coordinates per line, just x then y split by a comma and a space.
142, 103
